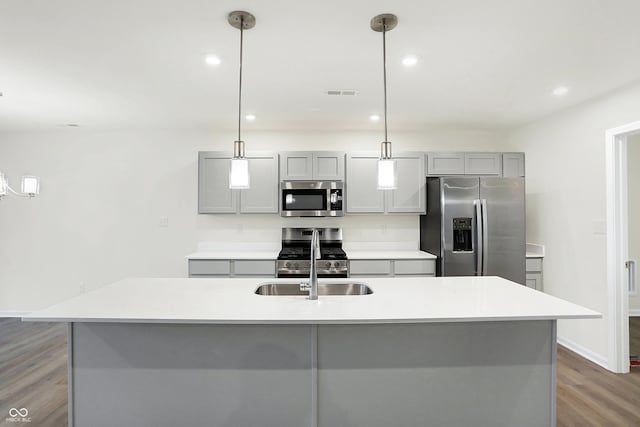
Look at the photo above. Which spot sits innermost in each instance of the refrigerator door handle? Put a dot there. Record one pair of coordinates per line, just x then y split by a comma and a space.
479, 245
485, 238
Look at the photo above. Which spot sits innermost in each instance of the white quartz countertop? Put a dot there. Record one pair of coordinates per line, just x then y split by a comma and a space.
235, 254
401, 254
272, 255
233, 301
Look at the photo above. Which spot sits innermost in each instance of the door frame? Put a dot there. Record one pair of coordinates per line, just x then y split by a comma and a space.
617, 245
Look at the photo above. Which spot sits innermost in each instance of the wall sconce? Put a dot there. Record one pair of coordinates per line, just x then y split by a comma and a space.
30, 186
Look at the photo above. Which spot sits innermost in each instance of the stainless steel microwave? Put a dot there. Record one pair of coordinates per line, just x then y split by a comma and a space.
311, 198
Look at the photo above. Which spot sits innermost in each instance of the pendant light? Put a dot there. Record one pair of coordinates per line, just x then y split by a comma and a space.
387, 172
239, 167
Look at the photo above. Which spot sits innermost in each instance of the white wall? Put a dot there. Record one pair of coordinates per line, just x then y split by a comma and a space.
566, 206
633, 180
103, 194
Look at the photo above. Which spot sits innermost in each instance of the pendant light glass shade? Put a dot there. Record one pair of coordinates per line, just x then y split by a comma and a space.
30, 185
239, 174
387, 174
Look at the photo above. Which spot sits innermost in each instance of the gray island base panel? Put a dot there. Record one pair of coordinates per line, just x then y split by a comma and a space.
358, 375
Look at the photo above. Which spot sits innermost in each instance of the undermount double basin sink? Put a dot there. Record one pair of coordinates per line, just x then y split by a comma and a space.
324, 289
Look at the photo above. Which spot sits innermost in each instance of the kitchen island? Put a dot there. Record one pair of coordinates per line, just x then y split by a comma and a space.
417, 351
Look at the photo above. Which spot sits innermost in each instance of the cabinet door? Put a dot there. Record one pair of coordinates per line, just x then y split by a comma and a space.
483, 164
266, 268
214, 194
262, 196
415, 267
513, 164
377, 267
440, 163
209, 268
534, 281
362, 191
296, 166
328, 165
410, 194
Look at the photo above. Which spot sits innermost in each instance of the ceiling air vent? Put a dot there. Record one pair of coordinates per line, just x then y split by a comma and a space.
343, 92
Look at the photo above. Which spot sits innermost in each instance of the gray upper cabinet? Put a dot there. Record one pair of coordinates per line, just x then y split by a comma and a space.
296, 166
410, 194
328, 165
262, 197
483, 164
362, 191
445, 163
310, 165
512, 164
472, 163
215, 196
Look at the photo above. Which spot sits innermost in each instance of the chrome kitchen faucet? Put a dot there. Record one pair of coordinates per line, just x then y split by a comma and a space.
312, 285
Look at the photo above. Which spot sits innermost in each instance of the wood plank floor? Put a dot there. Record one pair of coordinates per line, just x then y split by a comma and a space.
33, 375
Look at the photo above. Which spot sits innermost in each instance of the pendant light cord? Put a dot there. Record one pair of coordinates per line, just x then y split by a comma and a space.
240, 85
384, 68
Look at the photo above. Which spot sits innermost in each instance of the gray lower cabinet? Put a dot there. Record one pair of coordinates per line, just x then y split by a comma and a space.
392, 267
363, 195
534, 273
231, 268
215, 196
312, 165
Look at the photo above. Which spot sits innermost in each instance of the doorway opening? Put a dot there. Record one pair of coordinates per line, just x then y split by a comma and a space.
620, 267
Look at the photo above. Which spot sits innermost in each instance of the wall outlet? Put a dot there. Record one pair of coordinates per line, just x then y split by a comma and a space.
164, 221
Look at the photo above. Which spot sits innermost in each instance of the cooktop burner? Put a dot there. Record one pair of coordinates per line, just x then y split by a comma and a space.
296, 244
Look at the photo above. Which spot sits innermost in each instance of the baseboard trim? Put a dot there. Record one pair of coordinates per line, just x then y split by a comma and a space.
634, 312
596, 358
13, 313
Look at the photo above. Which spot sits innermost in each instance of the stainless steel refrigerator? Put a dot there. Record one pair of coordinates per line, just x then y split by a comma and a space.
476, 227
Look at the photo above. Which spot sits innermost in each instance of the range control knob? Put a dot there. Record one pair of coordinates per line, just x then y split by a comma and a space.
295, 265
328, 264
287, 264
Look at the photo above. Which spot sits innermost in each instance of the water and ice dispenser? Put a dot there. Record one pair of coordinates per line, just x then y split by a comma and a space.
462, 235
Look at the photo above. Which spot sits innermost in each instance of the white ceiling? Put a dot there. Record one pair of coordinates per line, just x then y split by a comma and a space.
122, 63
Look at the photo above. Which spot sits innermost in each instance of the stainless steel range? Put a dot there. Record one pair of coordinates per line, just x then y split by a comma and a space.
294, 258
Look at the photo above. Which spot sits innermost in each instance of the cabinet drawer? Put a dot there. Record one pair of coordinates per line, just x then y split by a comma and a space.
254, 268
206, 267
415, 267
534, 264
378, 267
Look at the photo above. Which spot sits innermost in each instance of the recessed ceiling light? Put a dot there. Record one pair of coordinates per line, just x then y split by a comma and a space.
212, 60
374, 117
560, 91
250, 117
409, 61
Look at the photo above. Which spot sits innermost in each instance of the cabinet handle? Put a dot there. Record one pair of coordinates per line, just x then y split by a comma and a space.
631, 267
